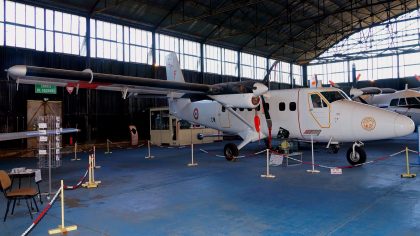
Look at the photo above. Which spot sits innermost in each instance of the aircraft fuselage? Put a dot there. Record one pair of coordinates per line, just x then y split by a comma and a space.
296, 111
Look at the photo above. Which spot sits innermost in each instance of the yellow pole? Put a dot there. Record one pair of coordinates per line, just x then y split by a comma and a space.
408, 174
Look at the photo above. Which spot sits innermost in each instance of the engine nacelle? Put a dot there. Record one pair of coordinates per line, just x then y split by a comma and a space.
244, 100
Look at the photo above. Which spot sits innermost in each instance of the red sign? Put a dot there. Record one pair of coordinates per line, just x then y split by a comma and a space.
69, 89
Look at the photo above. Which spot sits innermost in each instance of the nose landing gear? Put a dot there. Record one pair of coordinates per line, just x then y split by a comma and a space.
356, 155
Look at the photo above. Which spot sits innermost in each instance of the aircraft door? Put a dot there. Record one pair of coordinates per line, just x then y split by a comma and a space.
319, 109
224, 118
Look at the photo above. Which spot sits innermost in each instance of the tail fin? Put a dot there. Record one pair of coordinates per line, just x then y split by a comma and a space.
173, 70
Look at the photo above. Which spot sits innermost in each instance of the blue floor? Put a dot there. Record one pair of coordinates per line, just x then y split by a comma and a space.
162, 196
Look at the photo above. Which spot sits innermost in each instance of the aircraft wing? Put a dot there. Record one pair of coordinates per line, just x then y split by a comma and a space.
32, 134
88, 80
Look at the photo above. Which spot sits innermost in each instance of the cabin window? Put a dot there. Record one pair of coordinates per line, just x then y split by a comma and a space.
394, 102
402, 102
223, 109
249, 109
292, 106
241, 109
234, 108
282, 106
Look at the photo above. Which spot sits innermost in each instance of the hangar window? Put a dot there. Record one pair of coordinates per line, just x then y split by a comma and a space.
229, 62
24, 25
277, 74
137, 45
212, 59
247, 65
106, 40
292, 106
282, 106
188, 52
253, 67
190, 55
65, 33
394, 102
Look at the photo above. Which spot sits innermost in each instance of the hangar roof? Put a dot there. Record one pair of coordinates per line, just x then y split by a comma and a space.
295, 31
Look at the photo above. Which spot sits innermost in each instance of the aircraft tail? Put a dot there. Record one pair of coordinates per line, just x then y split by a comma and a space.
173, 70
173, 73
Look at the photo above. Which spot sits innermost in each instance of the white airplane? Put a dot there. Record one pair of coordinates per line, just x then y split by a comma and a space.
405, 102
235, 107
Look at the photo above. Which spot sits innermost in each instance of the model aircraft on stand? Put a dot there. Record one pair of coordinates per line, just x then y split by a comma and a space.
245, 108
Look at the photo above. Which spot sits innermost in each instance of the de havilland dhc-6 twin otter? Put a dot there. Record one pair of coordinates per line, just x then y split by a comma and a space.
245, 108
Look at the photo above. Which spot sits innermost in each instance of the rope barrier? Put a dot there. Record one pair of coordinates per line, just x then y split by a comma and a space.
42, 214
72, 187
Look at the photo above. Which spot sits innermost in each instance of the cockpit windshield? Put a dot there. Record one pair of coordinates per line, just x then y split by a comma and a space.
333, 96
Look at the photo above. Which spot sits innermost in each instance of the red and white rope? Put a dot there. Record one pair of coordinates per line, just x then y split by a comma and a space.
42, 214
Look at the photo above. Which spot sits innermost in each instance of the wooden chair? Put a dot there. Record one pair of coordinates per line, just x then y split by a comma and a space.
16, 194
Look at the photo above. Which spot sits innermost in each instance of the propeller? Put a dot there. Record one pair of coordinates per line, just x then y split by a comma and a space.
266, 81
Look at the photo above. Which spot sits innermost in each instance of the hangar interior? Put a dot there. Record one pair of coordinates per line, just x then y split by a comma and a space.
359, 43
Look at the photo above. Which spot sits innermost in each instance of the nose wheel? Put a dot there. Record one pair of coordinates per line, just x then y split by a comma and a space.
356, 155
231, 151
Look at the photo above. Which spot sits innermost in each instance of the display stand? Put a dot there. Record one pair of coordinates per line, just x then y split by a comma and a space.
312, 133
268, 175
148, 150
61, 228
192, 157
408, 174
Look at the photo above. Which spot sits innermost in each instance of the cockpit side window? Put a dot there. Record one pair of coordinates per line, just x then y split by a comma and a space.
394, 102
402, 102
317, 102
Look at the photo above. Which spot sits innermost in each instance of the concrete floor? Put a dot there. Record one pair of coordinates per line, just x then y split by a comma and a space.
162, 196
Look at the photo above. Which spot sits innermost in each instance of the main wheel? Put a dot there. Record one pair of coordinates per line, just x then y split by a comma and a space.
231, 151
356, 158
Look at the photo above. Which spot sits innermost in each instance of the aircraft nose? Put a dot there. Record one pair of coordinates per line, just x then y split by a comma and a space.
403, 125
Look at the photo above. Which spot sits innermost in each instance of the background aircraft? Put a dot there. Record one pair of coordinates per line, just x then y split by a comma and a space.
246, 108
405, 102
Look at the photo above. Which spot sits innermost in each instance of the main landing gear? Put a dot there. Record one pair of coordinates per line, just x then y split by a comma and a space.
231, 151
356, 155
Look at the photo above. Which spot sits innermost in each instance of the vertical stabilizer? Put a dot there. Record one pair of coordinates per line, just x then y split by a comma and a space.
173, 70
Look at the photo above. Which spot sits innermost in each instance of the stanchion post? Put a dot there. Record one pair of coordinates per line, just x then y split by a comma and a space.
192, 157
408, 174
75, 153
107, 147
313, 171
148, 150
91, 183
61, 228
94, 158
268, 175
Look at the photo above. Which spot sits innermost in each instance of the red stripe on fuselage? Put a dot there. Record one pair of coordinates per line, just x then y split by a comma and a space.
87, 85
